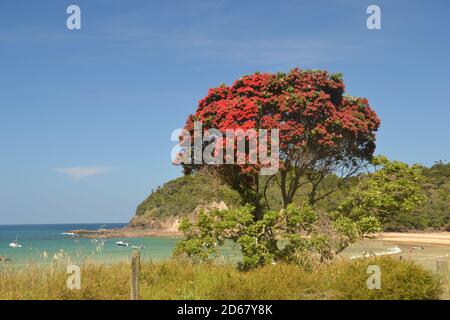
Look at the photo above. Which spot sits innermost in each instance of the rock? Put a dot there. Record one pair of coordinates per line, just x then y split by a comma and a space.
3, 259
210, 206
169, 225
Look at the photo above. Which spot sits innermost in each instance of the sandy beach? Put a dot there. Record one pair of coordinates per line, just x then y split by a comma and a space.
434, 238
424, 248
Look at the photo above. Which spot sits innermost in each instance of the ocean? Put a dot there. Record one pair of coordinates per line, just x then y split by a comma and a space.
42, 243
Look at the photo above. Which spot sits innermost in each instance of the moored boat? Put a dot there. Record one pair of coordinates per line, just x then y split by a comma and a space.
15, 244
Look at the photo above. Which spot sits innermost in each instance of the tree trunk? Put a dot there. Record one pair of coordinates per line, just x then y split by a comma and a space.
284, 195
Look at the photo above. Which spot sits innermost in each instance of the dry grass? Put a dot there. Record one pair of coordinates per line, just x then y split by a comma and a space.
180, 280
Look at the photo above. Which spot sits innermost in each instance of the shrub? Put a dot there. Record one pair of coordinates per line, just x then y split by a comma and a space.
295, 234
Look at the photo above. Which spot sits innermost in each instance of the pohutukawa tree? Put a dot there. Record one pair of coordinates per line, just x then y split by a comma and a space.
322, 131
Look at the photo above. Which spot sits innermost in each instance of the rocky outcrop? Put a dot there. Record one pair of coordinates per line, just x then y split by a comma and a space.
142, 226
171, 224
211, 206
143, 222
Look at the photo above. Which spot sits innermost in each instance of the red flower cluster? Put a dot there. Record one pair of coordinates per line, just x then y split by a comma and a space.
307, 106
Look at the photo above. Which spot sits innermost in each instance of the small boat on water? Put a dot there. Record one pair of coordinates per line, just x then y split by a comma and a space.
138, 247
15, 244
122, 244
69, 234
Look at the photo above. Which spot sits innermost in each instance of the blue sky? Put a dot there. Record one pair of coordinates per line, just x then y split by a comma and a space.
86, 115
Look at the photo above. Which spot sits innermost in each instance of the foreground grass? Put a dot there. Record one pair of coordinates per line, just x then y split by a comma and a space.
180, 280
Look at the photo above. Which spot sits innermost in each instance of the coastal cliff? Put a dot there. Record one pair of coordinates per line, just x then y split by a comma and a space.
164, 208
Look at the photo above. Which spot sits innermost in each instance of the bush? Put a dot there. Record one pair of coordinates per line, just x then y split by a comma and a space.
297, 234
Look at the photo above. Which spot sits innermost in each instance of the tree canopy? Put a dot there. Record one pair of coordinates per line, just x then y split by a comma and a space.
321, 130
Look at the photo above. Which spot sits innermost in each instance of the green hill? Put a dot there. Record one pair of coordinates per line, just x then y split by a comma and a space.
181, 196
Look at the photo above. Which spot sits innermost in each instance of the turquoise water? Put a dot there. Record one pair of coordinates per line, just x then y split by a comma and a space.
40, 244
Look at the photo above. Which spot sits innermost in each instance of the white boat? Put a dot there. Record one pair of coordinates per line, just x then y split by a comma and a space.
68, 234
15, 245
122, 244
138, 247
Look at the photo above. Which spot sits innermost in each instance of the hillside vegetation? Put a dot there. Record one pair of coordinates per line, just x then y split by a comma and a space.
180, 197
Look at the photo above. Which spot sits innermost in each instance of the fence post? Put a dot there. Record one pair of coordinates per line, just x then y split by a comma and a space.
135, 266
442, 271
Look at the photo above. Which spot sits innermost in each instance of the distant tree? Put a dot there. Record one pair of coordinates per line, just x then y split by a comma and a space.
322, 131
